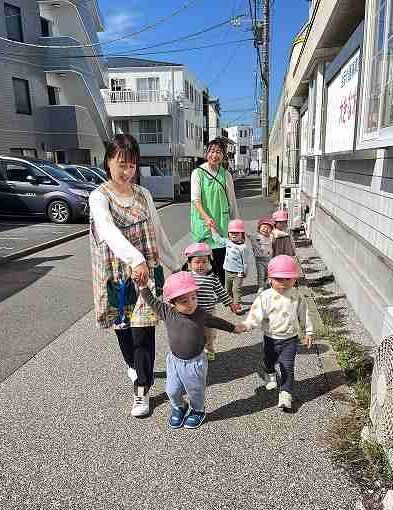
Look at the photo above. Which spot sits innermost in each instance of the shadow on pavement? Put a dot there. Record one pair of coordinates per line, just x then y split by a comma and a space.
244, 361
304, 391
16, 276
12, 223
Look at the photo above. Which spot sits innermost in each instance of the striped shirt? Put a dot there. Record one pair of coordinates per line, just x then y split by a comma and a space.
210, 291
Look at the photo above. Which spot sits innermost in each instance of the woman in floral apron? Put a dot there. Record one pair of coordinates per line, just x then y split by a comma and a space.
127, 240
213, 202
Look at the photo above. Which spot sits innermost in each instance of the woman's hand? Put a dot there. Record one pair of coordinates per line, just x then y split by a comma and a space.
140, 274
210, 223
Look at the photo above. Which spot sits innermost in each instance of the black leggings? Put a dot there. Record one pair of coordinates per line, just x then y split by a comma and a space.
218, 262
138, 348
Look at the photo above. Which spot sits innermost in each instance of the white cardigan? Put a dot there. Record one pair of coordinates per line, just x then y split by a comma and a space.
121, 247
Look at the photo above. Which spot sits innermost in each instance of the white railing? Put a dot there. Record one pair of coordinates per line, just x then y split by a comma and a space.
153, 138
133, 96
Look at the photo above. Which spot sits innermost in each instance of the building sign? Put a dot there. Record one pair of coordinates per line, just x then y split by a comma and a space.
342, 95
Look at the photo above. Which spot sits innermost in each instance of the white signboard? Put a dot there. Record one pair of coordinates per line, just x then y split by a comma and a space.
341, 107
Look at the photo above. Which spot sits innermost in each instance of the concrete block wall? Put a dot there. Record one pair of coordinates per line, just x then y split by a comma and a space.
365, 276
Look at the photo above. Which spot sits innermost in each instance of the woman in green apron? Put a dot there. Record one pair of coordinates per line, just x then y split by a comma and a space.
128, 243
213, 202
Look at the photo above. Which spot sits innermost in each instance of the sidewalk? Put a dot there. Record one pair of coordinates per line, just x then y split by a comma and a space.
20, 237
68, 439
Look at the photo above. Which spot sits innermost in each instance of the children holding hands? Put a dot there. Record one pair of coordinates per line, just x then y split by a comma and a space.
189, 301
186, 363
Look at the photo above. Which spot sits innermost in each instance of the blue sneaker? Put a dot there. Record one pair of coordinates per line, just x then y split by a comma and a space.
177, 417
194, 419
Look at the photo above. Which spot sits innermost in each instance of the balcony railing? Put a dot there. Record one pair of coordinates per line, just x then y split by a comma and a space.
133, 96
153, 138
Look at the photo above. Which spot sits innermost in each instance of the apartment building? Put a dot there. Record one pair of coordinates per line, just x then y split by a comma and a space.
161, 105
50, 104
332, 138
242, 136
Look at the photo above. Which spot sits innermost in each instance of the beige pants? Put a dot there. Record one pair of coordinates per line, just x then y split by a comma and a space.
210, 337
233, 285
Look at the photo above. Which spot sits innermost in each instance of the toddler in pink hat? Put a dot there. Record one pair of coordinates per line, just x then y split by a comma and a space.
282, 312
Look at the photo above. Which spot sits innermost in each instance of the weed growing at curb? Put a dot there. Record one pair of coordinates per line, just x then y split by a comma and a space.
365, 460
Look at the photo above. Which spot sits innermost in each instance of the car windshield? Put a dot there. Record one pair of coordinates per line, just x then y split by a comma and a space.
55, 171
99, 171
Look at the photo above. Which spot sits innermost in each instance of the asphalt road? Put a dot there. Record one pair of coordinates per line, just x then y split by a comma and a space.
23, 235
45, 293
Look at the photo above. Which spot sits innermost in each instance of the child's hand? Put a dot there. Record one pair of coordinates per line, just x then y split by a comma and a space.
235, 308
240, 328
308, 341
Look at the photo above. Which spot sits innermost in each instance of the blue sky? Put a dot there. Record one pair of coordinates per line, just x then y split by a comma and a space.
228, 70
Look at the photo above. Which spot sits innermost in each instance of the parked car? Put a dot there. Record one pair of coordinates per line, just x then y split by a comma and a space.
82, 173
37, 187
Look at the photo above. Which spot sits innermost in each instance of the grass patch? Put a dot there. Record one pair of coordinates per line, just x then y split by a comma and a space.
365, 461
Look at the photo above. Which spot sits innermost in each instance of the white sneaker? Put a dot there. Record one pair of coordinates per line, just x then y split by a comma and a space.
270, 381
141, 405
284, 400
131, 372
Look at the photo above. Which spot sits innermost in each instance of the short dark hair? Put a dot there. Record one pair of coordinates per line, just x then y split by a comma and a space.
219, 142
126, 148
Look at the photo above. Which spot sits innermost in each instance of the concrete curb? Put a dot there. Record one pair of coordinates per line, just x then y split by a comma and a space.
54, 242
334, 374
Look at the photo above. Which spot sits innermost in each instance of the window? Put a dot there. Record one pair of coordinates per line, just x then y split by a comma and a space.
187, 89
17, 171
118, 84
53, 95
187, 129
46, 29
148, 89
191, 93
30, 153
150, 131
13, 22
378, 70
243, 149
120, 127
22, 96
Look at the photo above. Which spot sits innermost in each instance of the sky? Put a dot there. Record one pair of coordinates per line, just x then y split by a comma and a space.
227, 69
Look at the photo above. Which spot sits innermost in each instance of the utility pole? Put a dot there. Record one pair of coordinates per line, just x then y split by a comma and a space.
261, 42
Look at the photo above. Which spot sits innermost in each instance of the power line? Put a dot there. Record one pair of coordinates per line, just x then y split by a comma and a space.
105, 55
125, 36
192, 35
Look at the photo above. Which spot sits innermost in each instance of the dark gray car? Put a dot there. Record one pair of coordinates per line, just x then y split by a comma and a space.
40, 188
86, 174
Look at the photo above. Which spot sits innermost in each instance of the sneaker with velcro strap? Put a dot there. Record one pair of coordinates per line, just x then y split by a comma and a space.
194, 419
177, 417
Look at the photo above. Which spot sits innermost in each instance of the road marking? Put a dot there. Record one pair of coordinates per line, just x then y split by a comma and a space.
6, 248
14, 238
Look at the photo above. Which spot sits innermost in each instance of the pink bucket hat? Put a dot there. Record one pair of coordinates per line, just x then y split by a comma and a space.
178, 284
283, 266
280, 215
266, 221
236, 226
198, 250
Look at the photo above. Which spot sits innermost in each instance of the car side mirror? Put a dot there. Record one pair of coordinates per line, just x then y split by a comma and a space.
32, 179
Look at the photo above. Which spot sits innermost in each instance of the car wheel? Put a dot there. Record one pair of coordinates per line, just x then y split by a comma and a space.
59, 212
